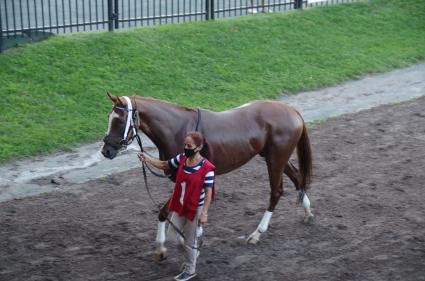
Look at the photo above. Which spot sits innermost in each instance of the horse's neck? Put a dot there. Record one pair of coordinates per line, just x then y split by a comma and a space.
165, 124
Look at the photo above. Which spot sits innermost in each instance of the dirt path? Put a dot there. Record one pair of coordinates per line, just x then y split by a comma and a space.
367, 196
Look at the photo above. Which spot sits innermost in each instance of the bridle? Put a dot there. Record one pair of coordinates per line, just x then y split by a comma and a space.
132, 115
133, 119
129, 123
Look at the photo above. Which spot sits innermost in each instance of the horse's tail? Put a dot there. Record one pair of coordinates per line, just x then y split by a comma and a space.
305, 161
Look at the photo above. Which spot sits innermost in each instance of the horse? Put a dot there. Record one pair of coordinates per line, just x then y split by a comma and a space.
269, 128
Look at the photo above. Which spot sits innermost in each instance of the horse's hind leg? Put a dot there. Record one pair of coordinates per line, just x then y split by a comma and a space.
275, 167
292, 172
303, 198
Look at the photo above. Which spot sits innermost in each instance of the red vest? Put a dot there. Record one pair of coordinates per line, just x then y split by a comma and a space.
188, 188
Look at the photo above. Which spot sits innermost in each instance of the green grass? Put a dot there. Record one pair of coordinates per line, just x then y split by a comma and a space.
52, 94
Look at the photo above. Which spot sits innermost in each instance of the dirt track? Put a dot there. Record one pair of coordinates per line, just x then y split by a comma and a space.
367, 196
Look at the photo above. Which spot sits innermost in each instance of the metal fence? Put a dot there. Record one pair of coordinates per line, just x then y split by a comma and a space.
38, 18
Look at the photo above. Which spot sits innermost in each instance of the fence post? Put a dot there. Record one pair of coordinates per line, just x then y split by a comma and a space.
1, 33
207, 9
110, 16
212, 16
116, 11
298, 4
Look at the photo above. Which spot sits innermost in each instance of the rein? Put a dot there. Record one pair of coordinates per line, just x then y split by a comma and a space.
199, 119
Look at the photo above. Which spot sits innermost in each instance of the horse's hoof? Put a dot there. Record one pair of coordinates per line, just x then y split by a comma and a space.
252, 240
308, 219
160, 256
254, 237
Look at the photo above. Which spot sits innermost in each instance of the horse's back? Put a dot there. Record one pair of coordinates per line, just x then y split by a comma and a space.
281, 121
262, 113
264, 106
245, 131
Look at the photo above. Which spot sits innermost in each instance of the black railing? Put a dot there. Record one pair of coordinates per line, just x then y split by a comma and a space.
38, 18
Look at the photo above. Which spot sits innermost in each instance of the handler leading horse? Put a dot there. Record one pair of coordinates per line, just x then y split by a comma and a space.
271, 129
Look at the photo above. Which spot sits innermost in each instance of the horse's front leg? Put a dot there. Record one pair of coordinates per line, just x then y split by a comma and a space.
275, 169
262, 227
161, 251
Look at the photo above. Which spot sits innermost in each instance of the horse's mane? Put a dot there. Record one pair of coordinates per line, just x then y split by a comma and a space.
167, 103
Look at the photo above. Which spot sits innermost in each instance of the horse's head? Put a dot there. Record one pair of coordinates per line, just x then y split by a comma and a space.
121, 130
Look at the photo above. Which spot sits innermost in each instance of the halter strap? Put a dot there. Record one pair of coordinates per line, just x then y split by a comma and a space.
129, 121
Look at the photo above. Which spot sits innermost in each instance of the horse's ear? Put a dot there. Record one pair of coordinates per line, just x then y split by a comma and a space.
112, 98
116, 100
119, 102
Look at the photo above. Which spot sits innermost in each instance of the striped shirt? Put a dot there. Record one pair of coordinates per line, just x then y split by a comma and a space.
173, 163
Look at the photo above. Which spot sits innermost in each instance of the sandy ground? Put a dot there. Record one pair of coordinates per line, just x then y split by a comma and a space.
367, 197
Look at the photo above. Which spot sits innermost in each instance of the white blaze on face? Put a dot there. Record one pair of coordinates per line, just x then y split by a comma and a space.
111, 117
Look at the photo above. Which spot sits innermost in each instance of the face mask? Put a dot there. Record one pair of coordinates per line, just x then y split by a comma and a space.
189, 152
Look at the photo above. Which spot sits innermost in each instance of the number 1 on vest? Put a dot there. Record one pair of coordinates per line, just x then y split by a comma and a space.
183, 184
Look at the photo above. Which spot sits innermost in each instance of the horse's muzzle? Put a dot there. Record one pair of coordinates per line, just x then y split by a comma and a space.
109, 152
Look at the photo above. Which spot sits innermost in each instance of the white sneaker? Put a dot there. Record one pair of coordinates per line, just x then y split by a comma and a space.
184, 276
252, 11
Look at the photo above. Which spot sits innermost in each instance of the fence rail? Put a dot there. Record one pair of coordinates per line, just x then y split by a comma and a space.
32, 18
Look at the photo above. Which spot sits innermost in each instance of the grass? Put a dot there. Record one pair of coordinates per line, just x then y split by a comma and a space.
52, 94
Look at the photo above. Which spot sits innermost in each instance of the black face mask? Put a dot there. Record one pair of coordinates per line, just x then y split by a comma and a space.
189, 152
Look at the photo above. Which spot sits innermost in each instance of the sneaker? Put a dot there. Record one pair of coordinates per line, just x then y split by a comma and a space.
252, 11
184, 276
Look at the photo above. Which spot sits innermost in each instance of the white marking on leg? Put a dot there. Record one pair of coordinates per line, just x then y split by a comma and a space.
306, 202
160, 240
264, 224
160, 235
262, 227
307, 210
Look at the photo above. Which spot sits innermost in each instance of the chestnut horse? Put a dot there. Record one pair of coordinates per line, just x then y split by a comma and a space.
269, 128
